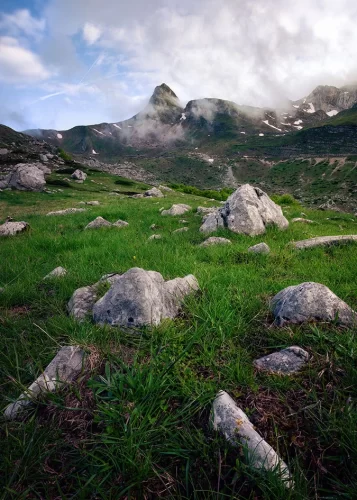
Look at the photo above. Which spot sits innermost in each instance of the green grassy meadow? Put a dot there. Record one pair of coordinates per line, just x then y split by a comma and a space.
136, 424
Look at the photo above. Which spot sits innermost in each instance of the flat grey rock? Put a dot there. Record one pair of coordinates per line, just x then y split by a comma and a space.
236, 427
79, 175
206, 210
64, 368
140, 297
181, 230
259, 248
302, 220
58, 272
178, 209
120, 223
215, 240
154, 193
94, 203
155, 237
285, 362
67, 211
247, 211
11, 228
309, 302
323, 241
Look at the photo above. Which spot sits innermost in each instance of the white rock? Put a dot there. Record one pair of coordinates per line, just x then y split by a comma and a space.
12, 228
79, 175
154, 193
234, 424
58, 272
180, 230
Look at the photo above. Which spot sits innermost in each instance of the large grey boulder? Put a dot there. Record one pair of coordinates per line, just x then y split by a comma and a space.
11, 228
247, 211
154, 193
64, 368
323, 241
285, 362
259, 248
27, 177
178, 209
215, 240
78, 175
236, 427
310, 302
140, 297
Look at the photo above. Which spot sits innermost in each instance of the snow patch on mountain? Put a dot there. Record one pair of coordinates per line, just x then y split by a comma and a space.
272, 126
333, 112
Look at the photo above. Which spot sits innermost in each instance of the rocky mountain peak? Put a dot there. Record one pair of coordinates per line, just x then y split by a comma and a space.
164, 96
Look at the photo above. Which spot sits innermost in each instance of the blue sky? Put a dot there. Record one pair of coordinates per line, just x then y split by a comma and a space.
70, 62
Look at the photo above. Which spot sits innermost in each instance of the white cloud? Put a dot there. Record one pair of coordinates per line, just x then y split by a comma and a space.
18, 64
22, 22
91, 33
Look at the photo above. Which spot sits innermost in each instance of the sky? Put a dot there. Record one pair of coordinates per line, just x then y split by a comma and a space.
77, 62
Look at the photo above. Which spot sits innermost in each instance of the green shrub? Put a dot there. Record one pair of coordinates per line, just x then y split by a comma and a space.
220, 195
67, 170
58, 182
284, 199
65, 156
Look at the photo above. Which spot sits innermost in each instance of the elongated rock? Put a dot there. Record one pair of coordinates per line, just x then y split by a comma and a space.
311, 302
58, 272
323, 241
285, 362
67, 211
64, 368
234, 424
215, 240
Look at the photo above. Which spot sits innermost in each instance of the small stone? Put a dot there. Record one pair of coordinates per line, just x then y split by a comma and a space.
285, 362
67, 211
215, 240
64, 368
94, 203
183, 221
97, 223
155, 237
262, 248
178, 209
153, 226
181, 230
120, 223
302, 220
58, 272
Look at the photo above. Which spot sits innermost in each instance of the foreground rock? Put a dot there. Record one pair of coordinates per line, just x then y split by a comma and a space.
285, 362
154, 193
78, 175
310, 302
259, 248
12, 228
323, 241
178, 209
215, 240
67, 211
64, 368
58, 272
247, 211
140, 297
234, 424
27, 177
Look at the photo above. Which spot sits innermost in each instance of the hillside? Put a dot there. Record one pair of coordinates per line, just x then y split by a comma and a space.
136, 423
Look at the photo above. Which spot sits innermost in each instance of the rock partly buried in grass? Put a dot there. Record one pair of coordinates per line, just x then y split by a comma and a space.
67, 211
94, 203
27, 177
155, 237
285, 362
165, 188
234, 424
206, 210
180, 230
324, 241
309, 302
97, 223
83, 299
139, 298
247, 211
302, 220
58, 272
259, 248
154, 193
78, 175
120, 223
64, 368
178, 209
215, 240
12, 228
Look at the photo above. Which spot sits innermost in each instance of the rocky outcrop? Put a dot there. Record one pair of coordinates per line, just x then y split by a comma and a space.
26, 177
79, 175
11, 228
323, 241
236, 427
64, 368
154, 193
215, 240
309, 302
285, 362
259, 248
247, 211
178, 209
140, 297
